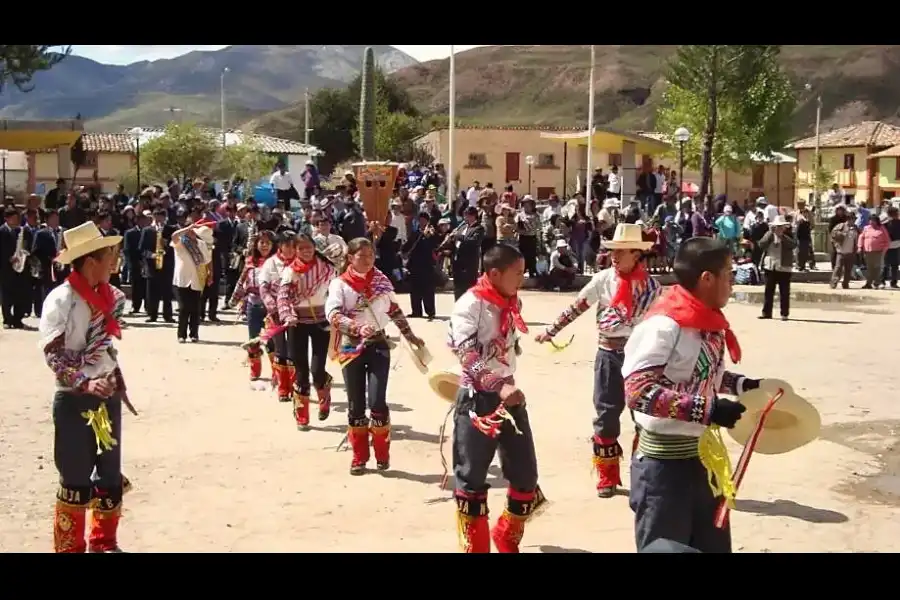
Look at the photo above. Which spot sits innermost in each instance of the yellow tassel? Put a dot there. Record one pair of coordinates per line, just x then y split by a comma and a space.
98, 420
714, 456
554, 347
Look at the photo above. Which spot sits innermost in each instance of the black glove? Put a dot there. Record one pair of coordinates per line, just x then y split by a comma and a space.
750, 384
726, 413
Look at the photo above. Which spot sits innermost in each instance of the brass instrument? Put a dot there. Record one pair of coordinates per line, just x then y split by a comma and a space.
20, 257
450, 237
159, 255
117, 268
252, 234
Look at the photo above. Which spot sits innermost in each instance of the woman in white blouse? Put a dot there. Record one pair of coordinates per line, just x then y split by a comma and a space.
360, 304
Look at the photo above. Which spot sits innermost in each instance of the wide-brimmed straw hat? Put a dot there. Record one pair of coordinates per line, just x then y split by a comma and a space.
793, 422
83, 240
421, 357
627, 237
445, 384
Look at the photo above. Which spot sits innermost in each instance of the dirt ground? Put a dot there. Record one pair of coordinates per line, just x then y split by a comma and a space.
219, 467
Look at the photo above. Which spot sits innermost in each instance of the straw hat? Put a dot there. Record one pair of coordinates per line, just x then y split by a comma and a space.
793, 422
779, 221
445, 384
421, 357
628, 237
84, 239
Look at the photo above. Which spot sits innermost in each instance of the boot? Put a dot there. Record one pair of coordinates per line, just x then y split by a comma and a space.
472, 523
107, 510
254, 357
607, 455
507, 533
358, 438
301, 409
324, 397
285, 384
381, 440
70, 520
275, 366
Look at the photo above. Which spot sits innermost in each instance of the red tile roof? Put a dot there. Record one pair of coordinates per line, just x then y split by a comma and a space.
867, 133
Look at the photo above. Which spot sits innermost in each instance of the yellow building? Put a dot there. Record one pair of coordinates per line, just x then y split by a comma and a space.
888, 162
847, 152
20, 137
498, 155
109, 156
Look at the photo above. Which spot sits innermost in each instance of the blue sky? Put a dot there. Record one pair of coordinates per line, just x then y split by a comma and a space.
123, 55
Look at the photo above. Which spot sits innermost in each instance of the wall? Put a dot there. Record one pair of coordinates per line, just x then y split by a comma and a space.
855, 183
888, 175
110, 167
778, 188
496, 143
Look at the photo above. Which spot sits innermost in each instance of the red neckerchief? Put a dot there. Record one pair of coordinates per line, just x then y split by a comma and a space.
301, 267
255, 263
686, 309
100, 300
285, 261
624, 296
509, 307
361, 284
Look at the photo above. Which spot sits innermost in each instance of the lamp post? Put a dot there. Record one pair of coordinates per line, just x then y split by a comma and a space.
590, 141
529, 160
222, 102
816, 156
4, 155
451, 134
136, 135
682, 135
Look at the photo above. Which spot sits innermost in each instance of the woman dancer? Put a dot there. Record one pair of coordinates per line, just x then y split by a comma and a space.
247, 292
301, 308
270, 276
360, 304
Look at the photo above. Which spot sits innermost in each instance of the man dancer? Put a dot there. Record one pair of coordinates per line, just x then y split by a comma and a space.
490, 409
283, 371
80, 321
622, 295
159, 258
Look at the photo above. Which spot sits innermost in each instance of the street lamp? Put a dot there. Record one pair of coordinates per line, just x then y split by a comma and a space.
529, 160
136, 134
682, 135
4, 155
222, 102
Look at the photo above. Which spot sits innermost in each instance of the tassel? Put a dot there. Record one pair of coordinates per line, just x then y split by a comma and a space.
490, 425
98, 420
714, 456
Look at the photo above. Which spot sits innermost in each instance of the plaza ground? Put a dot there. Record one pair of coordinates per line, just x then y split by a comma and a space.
219, 467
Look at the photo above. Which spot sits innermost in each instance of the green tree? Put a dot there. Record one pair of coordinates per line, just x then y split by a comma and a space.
245, 160
184, 150
18, 64
367, 107
736, 95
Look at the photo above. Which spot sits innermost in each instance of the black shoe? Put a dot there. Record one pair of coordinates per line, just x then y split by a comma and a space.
413, 316
170, 320
214, 319
383, 466
150, 320
764, 317
606, 492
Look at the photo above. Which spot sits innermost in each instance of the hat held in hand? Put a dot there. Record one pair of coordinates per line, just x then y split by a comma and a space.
792, 423
83, 240
445, 384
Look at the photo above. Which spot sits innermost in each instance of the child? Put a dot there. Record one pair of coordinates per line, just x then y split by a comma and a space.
674, 371
490, 409
672, 233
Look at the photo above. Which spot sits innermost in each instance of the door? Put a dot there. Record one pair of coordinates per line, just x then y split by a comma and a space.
512, 167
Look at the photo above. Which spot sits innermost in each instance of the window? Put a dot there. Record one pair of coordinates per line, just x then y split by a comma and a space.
543, 193
477, 161
90, 161
850, 162
758, 177
546, 160
897, 169
615, 160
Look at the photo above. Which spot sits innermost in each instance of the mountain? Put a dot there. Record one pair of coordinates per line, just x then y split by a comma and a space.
259, 79
519, 85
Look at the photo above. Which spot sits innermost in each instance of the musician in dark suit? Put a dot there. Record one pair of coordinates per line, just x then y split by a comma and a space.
467, 254
224, 235
132, 249
419, 251
239, 245
104, 223
209, 298
12, 285
46, 245
159, 281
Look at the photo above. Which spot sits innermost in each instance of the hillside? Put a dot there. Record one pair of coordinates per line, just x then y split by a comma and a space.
260, 79
516, 85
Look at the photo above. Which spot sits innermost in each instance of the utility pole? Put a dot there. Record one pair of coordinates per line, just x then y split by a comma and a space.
306, 121
451, 133
222, 102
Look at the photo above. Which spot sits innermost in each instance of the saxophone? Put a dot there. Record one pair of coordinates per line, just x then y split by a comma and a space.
20, 257
252, 234
159, 254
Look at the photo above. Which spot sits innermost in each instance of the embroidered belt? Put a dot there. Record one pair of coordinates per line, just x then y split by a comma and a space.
668, 447
613, 344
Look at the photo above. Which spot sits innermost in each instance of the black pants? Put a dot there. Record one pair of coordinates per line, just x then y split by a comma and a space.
609, 394
462, 282
188, 312
231, 279
891, 266
365, 382
783, 281
159, 289
75, 447
474, 451
12, 288
209, 300
486, 244
421, 292
528, 245
300, 338
138, 288
672, 500
45, 285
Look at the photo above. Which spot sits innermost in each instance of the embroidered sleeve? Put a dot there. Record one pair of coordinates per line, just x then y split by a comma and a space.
66, 364
589, 295
396, 315
647, 389
335, 312
285, 304
119, 301
243, 287
464, 343
732, 384
268, 291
